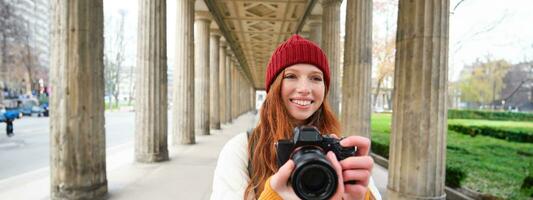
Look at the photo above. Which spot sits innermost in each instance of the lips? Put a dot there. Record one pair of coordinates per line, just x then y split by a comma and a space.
302, 102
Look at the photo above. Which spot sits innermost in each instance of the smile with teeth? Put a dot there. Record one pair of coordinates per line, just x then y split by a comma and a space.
301, 102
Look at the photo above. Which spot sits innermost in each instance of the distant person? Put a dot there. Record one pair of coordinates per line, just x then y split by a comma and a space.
297, 83
8, 117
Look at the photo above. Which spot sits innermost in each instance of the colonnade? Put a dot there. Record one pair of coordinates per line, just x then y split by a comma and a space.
211, 89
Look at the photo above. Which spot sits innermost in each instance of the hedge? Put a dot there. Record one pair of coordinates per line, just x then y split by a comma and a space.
489, 115
380, 149
454, 175
515, 136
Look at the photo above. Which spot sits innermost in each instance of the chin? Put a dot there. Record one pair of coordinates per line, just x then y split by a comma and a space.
301, 116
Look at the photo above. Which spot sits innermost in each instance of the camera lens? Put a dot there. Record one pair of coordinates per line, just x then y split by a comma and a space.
313, 177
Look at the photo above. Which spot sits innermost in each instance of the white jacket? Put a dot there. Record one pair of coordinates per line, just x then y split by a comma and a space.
231, 173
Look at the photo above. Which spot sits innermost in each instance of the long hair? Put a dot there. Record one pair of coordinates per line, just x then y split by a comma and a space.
276, 123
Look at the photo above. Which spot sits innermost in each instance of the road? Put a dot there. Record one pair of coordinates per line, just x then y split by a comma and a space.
29, 149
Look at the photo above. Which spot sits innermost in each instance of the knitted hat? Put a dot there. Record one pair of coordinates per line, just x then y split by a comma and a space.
296, 50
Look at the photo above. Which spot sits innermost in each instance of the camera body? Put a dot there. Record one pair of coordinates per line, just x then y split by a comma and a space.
313, 177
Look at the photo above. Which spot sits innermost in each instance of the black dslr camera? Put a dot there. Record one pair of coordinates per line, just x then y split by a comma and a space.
314, 177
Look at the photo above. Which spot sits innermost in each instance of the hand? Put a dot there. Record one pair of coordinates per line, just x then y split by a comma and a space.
279, 182
355, 168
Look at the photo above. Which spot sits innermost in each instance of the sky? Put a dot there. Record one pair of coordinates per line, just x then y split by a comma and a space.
510, 39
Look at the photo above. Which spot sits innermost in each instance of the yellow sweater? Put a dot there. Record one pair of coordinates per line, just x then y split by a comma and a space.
269, 193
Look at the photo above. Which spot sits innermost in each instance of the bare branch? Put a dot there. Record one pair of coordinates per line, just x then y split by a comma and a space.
491, 26
456, 6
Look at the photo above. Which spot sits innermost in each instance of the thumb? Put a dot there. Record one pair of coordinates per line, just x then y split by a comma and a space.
282, 176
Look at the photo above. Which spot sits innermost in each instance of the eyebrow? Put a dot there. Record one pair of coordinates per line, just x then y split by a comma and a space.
312, 72
317, 72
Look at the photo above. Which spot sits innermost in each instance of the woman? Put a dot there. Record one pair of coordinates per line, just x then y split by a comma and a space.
297, 81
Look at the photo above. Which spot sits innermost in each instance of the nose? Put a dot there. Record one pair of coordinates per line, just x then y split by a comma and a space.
303, 87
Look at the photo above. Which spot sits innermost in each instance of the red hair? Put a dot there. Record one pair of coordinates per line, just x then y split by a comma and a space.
276, 123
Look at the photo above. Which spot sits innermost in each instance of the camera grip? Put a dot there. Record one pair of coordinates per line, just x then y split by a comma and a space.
343, 152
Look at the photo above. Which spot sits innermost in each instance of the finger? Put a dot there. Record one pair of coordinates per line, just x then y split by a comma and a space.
338, 168
281, 177
359, 176
362, 144
355, 191
357, 162
333, 160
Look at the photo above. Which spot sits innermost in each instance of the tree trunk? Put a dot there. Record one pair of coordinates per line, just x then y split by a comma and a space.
29, 65
493, 104
378, 88
131, 86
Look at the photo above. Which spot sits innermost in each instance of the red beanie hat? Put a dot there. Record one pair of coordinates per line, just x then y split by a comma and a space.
296, 50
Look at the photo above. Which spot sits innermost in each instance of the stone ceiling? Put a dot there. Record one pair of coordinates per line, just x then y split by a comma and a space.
254, 28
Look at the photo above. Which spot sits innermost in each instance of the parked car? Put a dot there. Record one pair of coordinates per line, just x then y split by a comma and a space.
31, 106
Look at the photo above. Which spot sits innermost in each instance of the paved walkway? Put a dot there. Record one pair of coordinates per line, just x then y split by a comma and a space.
188, 174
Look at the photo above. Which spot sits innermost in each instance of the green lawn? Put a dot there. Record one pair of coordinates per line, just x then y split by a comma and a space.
115, 106
493, 166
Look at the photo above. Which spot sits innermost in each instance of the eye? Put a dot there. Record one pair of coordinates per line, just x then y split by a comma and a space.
289, 76
316, 78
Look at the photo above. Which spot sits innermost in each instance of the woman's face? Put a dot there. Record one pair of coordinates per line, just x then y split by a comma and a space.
302, 90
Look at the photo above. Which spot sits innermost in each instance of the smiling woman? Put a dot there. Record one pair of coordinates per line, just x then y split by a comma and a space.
297, 82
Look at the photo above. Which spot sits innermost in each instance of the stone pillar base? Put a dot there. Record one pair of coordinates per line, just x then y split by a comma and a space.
98, 191
151, 157
399, 196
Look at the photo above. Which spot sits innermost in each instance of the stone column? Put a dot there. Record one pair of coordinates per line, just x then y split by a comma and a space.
229, 98
252, 96
183, 84
331, 46
201, 72
315, 25
234, 90
222, 82
237, 100
240, 103
151, 103
244, 96
357, 73
418, 139
77, 134
214, 96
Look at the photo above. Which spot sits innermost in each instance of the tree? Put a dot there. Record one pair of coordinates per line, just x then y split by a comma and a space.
17, 53
27, 57
384, 54
384, 44
131, 86
518, 85
114, 57
482, 82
